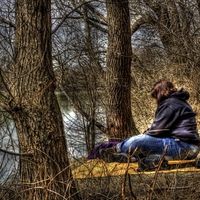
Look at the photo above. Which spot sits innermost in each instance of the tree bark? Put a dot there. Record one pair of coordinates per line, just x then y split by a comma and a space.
119, 55
45, 173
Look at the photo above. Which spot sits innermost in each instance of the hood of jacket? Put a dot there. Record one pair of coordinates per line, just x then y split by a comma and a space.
181, 95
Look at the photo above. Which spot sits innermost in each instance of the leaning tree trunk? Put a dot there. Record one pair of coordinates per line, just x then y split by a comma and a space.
119, 56
44, 167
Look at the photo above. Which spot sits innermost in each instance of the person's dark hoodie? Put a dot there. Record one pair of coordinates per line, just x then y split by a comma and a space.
175, 118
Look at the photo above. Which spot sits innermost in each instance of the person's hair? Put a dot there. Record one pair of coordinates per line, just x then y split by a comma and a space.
162, 89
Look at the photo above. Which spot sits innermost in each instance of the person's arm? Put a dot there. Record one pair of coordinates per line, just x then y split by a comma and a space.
164, 120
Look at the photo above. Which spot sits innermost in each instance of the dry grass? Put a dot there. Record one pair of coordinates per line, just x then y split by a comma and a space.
100, 180
99, 168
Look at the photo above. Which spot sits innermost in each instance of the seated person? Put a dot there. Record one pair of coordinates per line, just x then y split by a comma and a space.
173, 132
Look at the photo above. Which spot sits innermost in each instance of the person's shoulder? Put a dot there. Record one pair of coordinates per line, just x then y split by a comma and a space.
172, 103
177, 104
168, 101
167, 104
174, 99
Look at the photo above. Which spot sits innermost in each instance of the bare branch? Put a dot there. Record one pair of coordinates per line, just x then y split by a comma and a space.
67, 15
76, 104
141, 21
5, 21
97, 26
14, 153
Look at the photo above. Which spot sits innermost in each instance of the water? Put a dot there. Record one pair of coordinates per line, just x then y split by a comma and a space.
9, 142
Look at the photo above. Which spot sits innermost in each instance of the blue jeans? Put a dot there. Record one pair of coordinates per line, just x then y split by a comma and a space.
143, 145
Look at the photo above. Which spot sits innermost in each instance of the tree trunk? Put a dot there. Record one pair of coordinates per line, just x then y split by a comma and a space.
45, 172
119, 55
173, 29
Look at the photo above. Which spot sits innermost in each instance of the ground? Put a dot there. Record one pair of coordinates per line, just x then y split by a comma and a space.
99, 180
